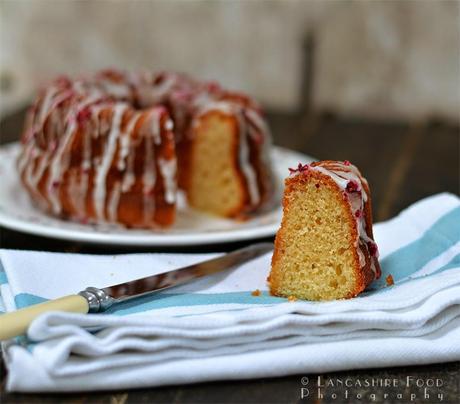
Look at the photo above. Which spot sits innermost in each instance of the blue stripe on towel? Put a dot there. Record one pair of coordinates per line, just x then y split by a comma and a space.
438, 238
164, 300
454, 263
26, 299
3, 278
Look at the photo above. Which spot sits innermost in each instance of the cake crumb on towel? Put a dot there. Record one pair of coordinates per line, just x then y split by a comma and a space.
389, 280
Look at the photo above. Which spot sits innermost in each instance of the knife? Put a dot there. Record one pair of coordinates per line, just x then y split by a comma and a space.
95, 300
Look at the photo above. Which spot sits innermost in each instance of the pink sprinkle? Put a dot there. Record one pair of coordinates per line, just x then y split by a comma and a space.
161, 109
83, 115
373, 249
53, 145
111, 74
359, 213
213, 87
160, 77
347, 163
352, 186
56, 184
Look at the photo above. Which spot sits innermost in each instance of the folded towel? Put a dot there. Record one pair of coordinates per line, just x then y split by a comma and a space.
214, 328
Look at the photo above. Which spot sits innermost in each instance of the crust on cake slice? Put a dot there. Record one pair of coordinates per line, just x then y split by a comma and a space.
214, 182
316, 256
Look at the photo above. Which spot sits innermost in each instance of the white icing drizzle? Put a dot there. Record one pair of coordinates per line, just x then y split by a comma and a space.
129, 178
73, 192
149, 176
125, 140
59, 161
155, 120
243, 133
169, 125
261, 132
257, 121
245, 162
343, 174
82, 193
168, 170
86, 153
117, 90
100, 185
45, 106
57, 167
33, 177
114, 201
33, 171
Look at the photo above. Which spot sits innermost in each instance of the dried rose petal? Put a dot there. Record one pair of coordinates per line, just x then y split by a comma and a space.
352, 186
159, 78
300, 168
373, 249
213, 87
83, 115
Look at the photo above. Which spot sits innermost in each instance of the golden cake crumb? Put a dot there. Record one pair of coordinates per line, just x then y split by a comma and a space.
389, 280
292, 299
256, 292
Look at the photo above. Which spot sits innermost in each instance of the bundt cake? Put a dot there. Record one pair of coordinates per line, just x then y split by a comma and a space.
115, 147
324, 248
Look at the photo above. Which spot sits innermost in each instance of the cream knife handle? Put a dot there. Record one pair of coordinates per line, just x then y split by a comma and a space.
16, 323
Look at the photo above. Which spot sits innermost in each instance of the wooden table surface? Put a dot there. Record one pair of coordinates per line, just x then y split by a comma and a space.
403, 163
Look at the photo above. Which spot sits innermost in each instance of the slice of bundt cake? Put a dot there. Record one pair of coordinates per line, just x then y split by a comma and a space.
324, 249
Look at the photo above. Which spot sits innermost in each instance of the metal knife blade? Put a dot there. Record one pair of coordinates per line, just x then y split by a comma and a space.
101, 299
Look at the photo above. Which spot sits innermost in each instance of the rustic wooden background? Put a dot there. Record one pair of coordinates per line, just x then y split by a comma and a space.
403, 163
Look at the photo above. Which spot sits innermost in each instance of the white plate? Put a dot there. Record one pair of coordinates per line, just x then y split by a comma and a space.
191, 227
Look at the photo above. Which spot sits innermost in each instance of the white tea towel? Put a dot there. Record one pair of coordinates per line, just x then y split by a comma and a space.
214, 328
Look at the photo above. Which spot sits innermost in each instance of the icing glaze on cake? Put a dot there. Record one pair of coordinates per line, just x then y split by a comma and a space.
353, 186
116, 120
